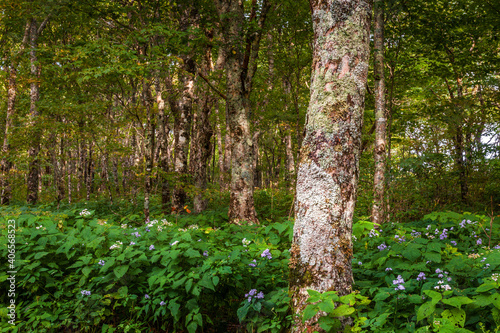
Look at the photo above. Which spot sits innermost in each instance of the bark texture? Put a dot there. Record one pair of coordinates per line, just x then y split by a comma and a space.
328, 170
379, 153
241, 55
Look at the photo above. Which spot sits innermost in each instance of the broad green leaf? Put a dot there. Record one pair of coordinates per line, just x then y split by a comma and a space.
120, 271
456, 316
425, 310
457, 301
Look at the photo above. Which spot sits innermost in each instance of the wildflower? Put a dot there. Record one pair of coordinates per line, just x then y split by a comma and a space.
266, 254
166, 223
151, 247
479, 241
399, 283
193, 227
453, 243
495, 276
132, 243
147, 230
245, 242
162, 303
102, 262
415, 234
373, 233
354, 238
487, 266
205, 253
438, 271
252, 294
116, 245
146, 296
382, 247
421, 276
85, 212
124, 226
388, 269
86, 292
160, 228
360, 263
497, 247
174, 243
428, 227
136, 234
253, 264
443, 234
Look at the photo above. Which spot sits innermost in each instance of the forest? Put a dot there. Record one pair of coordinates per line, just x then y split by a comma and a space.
250, 166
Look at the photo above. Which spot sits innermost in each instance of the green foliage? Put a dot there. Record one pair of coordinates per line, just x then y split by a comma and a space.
183, 273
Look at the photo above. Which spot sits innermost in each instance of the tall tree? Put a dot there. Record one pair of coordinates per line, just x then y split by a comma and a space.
241, 52
379, 152
328, 172
34, 163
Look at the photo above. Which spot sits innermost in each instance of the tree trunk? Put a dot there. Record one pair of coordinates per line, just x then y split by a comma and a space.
163, 130
34, 149
149, 138
240, 66
182, 109
6, 164
379, 152
219, 147
328, 170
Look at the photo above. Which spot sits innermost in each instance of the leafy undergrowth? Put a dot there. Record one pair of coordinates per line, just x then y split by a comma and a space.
98, 271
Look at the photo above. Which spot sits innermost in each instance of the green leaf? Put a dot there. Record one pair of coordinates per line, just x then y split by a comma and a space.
456, 316
343, 310
436, 297
242, 311
310, 311
120, 271
457, 301
190, 253
192, 326
215, 280
433, 256
381, 296
86, 270
486, 286
326, 306
425, 310
40, 254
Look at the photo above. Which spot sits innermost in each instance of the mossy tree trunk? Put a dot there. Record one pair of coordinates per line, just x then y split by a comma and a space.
379, 153
241, 64
328, 168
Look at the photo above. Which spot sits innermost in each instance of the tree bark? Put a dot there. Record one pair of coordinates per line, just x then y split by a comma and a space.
379, 152
163, 131
34, 149
149, 138
241, 65
328, 170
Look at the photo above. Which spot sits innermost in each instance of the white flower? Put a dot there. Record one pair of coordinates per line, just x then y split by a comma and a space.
246, 242
174, 243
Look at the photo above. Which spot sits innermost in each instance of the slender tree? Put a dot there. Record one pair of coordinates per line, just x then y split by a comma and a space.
379, 152
328, 171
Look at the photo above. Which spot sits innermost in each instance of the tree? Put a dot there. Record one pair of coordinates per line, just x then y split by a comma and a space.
241, 64
379, 151
327, 177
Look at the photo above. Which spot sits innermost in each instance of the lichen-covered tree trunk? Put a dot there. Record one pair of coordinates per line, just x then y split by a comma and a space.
328, 171
6, 164
241, 54
201, 150
34, 149
182, 109
163, 131
149, 138
379, 152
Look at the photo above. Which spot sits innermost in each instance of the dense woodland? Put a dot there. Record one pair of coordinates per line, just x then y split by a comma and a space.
189, 107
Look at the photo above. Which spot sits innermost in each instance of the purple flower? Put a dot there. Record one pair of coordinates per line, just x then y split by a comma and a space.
146, 296
497, 247
148, 230
132, 243
162, 303
382, 247
102, 262
260, 295
253, 264
479, 241
388, 269
421, 276
453, 243
86, 292
205, 253
266, 254
151, 247
360, 263
136, 234
438, 271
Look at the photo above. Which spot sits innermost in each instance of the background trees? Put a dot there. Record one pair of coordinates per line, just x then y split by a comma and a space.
136, 101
